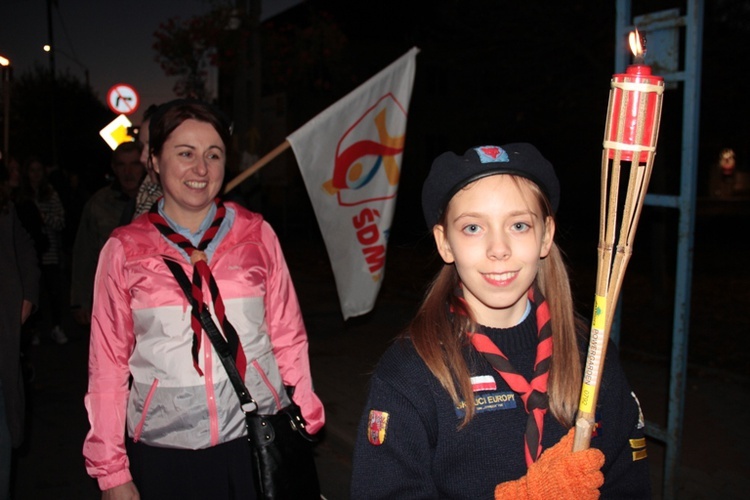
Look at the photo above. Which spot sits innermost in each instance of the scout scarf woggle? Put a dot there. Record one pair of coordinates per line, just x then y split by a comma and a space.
202, 273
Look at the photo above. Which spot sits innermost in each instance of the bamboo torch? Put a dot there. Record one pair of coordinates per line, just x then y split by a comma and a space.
630, 135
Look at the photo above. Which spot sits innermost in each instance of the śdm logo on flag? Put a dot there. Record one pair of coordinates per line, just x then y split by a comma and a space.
365, 170
350, 158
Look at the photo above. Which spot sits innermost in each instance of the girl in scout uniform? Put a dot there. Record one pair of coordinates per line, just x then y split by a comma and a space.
477, 398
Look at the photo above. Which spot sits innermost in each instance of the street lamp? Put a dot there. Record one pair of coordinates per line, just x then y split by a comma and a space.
7, 74
52, 52
48, 48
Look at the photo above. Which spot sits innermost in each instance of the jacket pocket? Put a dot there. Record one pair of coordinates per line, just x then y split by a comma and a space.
146, 403
269, 384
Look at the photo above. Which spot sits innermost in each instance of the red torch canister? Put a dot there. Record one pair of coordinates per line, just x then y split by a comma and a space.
634, 106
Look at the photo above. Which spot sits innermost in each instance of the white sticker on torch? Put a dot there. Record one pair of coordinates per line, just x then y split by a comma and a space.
596, 351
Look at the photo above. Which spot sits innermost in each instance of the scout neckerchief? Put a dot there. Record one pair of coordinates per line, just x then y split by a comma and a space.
533, 394
201, 273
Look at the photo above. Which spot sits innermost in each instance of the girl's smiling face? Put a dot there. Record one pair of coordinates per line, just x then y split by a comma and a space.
495, 234
191, 168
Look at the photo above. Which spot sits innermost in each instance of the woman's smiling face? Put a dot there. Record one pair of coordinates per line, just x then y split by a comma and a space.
495, 235
191, 168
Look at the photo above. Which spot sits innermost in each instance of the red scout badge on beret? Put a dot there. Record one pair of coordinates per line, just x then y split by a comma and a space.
491, 154
377, 426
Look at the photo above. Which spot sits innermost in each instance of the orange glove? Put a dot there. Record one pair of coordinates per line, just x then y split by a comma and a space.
560, 474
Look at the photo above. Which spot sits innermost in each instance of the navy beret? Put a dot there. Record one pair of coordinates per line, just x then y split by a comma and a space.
450, 172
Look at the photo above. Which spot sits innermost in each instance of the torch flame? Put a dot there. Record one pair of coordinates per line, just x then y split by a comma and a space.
637, 44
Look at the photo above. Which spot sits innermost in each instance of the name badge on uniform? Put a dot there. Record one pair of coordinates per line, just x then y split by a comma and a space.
491, 401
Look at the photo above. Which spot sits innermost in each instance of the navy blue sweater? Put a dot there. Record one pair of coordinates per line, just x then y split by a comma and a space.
422, 454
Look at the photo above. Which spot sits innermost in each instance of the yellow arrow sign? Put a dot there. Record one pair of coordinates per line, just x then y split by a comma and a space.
116, 132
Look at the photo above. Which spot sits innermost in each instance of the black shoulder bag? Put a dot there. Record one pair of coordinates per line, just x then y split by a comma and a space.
284, 467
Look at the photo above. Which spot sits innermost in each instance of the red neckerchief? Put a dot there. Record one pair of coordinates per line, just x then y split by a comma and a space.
201, 273
534, 393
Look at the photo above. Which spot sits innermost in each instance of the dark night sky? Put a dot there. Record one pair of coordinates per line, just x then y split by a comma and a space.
112, 39
536, 71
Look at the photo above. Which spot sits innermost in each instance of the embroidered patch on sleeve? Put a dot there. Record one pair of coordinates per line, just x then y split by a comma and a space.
639, 448
598, 431
377, 426
641, 421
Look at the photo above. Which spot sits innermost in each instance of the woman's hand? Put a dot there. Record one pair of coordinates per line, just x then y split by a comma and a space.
126, 491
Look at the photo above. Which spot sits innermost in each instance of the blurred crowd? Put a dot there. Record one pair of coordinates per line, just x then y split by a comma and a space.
68, 225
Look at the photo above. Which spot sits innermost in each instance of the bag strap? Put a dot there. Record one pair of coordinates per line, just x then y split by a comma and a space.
247, 403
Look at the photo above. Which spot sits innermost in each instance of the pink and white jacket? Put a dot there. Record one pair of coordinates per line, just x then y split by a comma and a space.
141, 327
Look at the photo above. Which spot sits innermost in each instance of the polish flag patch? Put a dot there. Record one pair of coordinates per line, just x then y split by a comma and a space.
483, 383
377, 427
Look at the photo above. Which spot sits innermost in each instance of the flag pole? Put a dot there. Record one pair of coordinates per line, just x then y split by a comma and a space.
256, 166
286, 144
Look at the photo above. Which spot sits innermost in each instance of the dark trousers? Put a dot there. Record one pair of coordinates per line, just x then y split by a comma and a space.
220, 472
53, 299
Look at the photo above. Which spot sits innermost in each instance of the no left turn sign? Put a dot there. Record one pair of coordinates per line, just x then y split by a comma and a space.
123, 99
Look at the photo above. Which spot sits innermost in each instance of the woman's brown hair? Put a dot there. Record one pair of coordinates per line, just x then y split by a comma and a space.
170, 115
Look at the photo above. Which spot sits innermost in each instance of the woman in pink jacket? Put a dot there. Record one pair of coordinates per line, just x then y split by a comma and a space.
165, 419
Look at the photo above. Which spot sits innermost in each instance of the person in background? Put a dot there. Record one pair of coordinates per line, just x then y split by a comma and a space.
36, 187
101, 214
26, 209
59, 178
478, 397
723, 175
31, 220
78, 196
14, 174
150, 190
19, 294
165, 419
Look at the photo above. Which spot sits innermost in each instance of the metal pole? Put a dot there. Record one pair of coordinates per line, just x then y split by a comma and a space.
684, 271
51, 40
7, 77
77, 62
53, 82
671, 435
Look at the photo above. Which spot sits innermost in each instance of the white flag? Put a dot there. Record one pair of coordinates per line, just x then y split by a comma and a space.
350, 158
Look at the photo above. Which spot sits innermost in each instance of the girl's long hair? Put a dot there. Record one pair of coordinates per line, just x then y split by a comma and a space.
440, 337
